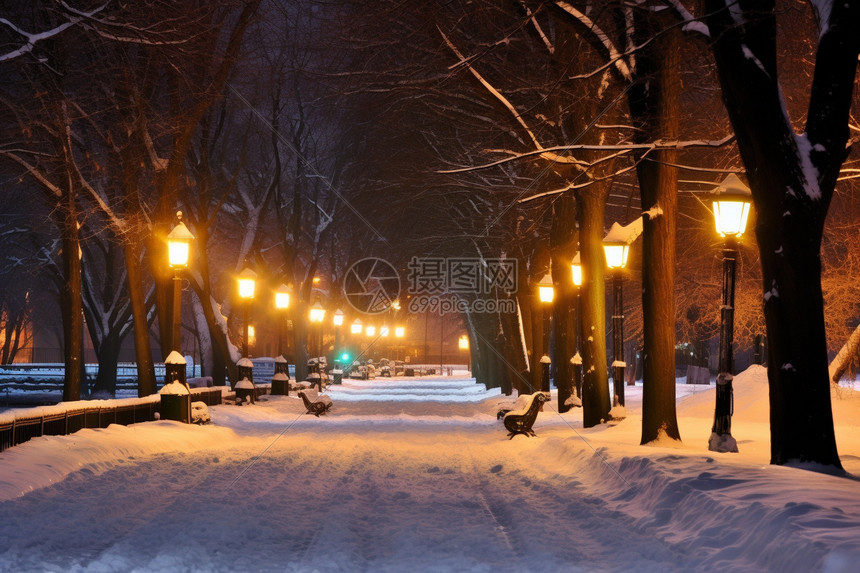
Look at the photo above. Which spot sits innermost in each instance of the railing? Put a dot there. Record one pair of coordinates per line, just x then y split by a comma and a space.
21, 424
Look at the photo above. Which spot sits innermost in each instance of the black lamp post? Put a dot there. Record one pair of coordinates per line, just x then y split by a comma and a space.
178, 250
247, 284
546, 292
731, 212
616, 259
576, 272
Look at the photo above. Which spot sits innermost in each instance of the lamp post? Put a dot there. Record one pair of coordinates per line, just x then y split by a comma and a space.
337, 322
731, 212
576, 274
616, 252
546, 292
316, 316
463, 343
247, 285
178, 250
282, 303
399, 333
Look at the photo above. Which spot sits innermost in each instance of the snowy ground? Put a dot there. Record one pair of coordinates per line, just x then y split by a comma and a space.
417, 475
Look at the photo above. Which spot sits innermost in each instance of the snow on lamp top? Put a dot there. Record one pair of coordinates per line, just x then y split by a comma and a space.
179, 243
616, 243
732, 207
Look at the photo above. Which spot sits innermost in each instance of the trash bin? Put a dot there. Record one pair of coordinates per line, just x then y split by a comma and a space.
337, 376
175, 394
176, 407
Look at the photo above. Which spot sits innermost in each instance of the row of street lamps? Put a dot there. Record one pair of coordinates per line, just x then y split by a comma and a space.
731, 210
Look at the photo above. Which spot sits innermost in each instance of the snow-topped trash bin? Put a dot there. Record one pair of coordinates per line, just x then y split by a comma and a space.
337, 376
175, 394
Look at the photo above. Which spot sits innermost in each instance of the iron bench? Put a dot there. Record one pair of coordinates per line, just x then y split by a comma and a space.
520, 420
315, 402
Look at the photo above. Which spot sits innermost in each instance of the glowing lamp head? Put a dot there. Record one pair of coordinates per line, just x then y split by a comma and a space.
616, 254
179, 244
463, 342
356, 327
732, 207
338, 318
576, 270
282, 297
317, 312
546, 291
399, 332
247, 283
370, 330
384, 331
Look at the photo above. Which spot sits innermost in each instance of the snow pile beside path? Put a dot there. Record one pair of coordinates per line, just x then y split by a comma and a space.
46, 460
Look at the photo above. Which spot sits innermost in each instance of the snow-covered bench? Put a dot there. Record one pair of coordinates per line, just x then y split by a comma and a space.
315, 402
523, 416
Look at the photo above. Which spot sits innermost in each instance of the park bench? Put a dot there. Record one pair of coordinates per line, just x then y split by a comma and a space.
520, 419
315, 402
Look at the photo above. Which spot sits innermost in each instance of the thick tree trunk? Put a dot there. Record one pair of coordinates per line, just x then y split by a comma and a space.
595, 384
107, 353
146, 382
563, 246
792, 179
72, 308
655, 112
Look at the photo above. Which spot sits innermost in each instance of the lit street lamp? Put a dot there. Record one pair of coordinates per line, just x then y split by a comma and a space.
616, 251
731, 211
175, 395
317, 315
546, 292
178, 250
247, 284
282, 303
576, 273
463, 343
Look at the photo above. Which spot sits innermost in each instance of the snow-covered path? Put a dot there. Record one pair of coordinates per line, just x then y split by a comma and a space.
381, 484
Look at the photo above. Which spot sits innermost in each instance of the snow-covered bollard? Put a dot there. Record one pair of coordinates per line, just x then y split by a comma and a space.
281, 378
175, 395
245, 391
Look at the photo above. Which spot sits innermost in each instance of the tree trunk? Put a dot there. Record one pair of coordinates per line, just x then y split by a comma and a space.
71, 304
655, 112
146, 382
849, 351
107, 352
563, 246
595, 384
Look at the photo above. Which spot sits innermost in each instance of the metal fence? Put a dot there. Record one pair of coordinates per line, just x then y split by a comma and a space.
18, 426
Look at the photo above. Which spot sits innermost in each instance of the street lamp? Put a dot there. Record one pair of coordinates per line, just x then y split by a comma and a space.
317, 315
356, 327
399, 333
178, 250
282, 303
463, 343
731, 212
247, 284
616, 252
576, 274
546, 292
